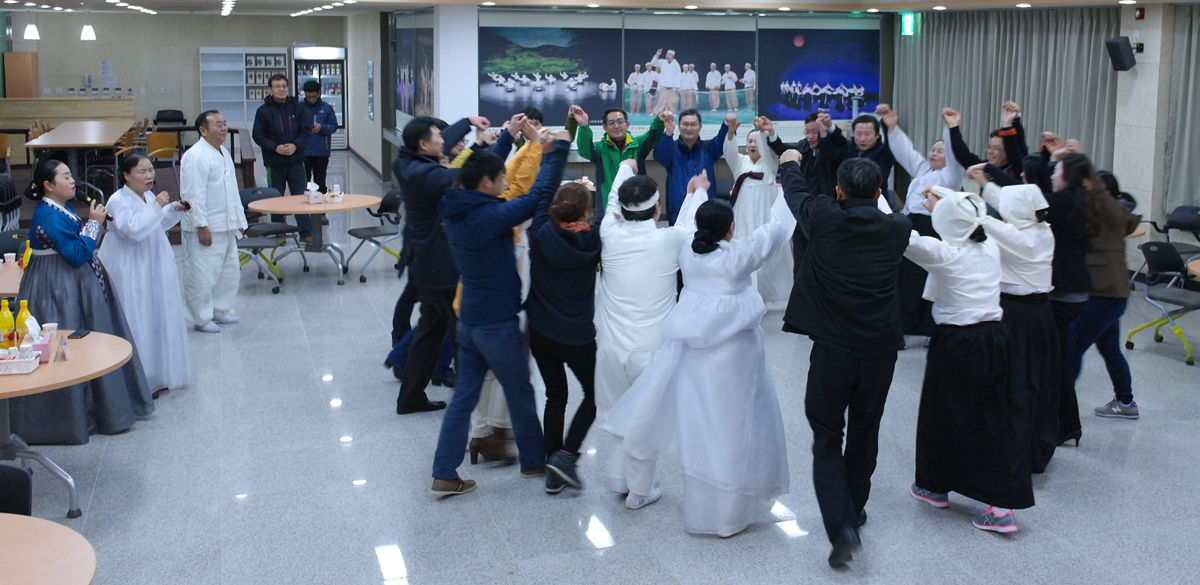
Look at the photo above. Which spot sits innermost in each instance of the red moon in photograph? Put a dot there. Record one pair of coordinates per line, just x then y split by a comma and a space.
798, 41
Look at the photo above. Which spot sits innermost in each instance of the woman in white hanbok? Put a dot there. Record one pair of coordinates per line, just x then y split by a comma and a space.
709, 395
752, 198
141, 265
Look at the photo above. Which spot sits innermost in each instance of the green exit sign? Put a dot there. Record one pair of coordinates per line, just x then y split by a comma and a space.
907, 23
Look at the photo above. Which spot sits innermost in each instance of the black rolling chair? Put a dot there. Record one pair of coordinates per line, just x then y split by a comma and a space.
379, 235
1166, 274
1185, 218
267, 229
170, 117
10, 205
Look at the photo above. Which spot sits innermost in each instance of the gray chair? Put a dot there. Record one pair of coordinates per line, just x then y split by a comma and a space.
267, 229
379, 235
1166, 275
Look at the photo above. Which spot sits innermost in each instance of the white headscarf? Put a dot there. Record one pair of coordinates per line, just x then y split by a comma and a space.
1019, 205
957, 215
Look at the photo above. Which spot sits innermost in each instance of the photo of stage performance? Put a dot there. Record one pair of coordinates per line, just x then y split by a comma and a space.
833, 72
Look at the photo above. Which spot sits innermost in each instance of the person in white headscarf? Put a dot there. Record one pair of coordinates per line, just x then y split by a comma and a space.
754, 193
1026, 257
968, 440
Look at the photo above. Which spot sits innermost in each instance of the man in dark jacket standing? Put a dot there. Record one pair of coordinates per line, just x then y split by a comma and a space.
320, 145
845, 299
478, 224
282, 130
423, 180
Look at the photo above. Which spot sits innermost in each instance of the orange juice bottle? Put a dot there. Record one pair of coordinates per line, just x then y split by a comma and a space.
20, 325
7, 329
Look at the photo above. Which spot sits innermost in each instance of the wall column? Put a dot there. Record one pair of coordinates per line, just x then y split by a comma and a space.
456, 61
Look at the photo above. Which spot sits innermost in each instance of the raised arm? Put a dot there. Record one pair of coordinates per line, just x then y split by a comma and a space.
612, 211
509, 214
698, 194
732, 157
545, 190
903, 152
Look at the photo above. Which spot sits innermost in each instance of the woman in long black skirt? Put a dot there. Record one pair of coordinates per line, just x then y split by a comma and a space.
1026, 265
970, 437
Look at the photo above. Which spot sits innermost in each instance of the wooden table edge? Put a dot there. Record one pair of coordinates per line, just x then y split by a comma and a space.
4, 395
90, 562
310, 208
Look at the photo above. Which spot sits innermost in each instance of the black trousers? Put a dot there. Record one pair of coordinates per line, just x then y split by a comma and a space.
437, 322
916, 313
402, 315
289, 180
552, 360
1068, 404
838, 380
315, 168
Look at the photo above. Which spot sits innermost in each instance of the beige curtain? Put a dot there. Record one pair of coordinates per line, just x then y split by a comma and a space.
1183, 127
1052, 62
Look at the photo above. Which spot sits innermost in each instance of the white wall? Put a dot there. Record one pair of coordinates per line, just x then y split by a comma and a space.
158, 51
455, 49
363, 44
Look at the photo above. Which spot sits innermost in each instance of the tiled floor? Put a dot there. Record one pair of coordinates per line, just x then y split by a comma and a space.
255, 473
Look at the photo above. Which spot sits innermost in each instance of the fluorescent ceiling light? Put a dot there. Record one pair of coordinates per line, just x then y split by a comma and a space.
31, 33
489, 3
10, 1
593, 6
784, 8
328, 7
1024, 5
58, 8
1128, 2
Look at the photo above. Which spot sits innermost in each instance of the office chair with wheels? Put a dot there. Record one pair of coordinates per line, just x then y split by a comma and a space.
1166, 274
379, 235
278, 231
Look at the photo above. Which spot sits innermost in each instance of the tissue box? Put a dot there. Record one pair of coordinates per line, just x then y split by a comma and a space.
314, 198
44, 346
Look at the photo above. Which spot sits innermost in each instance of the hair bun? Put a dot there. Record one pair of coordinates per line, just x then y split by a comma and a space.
704, 241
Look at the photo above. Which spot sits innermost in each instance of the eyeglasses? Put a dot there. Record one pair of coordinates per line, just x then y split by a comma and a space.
616, 122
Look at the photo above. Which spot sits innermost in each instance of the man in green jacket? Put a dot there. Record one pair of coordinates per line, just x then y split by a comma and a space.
615, 145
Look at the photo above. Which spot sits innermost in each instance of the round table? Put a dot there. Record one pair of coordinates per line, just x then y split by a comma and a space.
295, 205
1137, 233
35, 551
10, 280
1194, 267
91, 357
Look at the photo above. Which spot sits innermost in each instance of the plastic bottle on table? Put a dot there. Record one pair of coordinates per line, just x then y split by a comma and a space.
7, 325
20, 324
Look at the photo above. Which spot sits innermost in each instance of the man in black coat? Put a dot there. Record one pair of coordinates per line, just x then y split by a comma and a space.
281, 130
821, 151
845, 299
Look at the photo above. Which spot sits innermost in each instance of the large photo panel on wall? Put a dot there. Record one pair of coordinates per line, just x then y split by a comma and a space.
549, 68
682, 63
818, 70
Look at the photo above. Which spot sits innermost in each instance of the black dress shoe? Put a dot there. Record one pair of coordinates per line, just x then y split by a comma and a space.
446, 382
429, 406
844, 548
862, 518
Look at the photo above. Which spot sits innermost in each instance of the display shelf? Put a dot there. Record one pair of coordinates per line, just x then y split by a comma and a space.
233, 79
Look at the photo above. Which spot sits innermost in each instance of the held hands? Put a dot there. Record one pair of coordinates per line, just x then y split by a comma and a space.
98, 213
698, 182
479, 122
1072, 147
564, 135
952, 117
1052, 142
826, 123
887, 115
579, 115
285, 149
763, 124
931, 199
516, 125
732, 124
530, 132
632, 164
668, 120
1010, 111
790, 155
975, 173
162, 199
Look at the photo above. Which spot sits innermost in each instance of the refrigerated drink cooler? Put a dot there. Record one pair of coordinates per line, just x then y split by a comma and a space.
326, 65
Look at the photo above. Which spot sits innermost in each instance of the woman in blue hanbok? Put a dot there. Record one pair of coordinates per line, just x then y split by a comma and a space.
66, 284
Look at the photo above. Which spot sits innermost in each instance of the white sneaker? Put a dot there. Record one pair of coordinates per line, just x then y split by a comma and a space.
209, 327
225, 318
636, 502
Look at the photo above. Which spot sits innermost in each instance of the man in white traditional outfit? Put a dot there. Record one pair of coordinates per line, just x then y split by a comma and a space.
634, 83
729, 80
754, 193
749, 81
712, 84
211, 229
637, 289
670, 77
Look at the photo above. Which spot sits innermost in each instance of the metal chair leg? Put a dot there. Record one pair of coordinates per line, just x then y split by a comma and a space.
73, 511
1189, 359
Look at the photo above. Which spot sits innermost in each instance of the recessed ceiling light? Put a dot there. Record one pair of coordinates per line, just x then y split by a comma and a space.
359, 481
122, 4
872, 10
1128, 2
328, 7
347, 439
593, 6
30, 4
58, 8
939, 7
338, 4
336, 402
690, 7
489, 3
1024, 5
10, 1
45, 6
350, 1
784, 8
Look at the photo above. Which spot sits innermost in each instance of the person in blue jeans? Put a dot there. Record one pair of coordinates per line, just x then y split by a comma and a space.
1108, 223
478, 225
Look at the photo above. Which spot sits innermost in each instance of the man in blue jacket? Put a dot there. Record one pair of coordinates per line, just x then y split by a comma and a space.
282, 131
478, 224
686, 157
320, 145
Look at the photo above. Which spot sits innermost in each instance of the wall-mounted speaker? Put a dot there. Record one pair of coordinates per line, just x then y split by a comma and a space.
1121, 53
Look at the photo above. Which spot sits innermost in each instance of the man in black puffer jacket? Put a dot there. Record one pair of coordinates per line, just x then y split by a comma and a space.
282, 129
